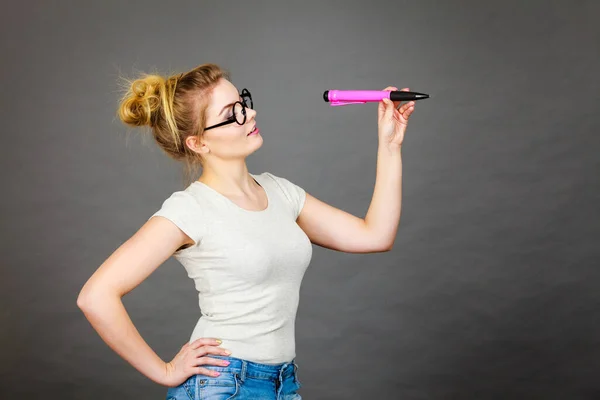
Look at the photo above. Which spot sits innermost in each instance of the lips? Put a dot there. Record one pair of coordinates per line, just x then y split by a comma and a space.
252, 131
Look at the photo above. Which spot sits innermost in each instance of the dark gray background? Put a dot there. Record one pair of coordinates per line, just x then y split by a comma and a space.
491, 290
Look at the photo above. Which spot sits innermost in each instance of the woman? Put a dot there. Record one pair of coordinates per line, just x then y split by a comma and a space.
244, 239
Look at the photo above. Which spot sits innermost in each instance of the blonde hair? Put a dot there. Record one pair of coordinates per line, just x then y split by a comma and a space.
174, 107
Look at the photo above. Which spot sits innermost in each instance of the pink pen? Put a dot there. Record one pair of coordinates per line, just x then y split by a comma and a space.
345, 97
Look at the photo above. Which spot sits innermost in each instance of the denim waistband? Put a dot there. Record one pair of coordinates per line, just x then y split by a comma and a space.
245, 368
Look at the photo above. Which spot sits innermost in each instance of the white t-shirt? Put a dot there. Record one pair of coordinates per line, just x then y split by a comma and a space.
247, 266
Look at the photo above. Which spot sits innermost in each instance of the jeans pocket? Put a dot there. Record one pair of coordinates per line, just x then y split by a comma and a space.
226, 386
185, 391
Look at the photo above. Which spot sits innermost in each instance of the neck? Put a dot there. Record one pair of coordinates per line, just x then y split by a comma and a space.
231, 179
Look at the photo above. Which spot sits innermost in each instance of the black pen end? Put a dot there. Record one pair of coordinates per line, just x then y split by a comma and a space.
326, 96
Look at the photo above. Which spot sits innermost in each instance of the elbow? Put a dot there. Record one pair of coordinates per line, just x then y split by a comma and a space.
90, 299
83, 300
387, 246
86, 296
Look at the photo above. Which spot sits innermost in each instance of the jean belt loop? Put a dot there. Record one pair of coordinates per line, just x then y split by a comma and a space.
279, 382
244, 370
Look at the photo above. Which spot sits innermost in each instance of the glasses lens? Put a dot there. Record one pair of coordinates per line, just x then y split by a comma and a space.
240, 113
247, 99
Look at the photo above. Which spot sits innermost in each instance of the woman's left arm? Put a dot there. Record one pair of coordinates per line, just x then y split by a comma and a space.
336, 229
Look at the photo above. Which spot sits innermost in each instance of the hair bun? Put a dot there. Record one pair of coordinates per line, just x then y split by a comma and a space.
142, 101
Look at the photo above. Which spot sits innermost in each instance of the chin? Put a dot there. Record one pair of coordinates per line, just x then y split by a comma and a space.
257, 139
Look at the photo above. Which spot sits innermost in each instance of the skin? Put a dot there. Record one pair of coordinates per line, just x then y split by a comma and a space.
225, 150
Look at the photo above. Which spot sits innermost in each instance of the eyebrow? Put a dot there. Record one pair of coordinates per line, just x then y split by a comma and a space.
228, 105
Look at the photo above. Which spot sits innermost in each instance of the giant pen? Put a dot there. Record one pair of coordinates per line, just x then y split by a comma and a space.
344, 97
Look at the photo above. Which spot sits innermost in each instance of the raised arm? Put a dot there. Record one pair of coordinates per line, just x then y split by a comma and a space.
336, 229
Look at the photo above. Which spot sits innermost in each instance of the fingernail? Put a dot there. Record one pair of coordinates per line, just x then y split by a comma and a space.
227, 352
219, 341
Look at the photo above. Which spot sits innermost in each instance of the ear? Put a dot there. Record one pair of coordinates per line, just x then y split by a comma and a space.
194, 143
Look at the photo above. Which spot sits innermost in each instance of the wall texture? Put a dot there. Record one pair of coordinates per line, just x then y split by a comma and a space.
491, 290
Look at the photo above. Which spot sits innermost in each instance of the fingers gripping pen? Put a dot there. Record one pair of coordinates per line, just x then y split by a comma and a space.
344, 97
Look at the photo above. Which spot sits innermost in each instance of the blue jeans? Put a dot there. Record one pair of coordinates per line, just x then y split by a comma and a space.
241, 380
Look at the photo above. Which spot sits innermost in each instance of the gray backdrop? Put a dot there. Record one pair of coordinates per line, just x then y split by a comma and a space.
491, 290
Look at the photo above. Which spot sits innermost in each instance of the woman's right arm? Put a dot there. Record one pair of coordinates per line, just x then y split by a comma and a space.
126, 268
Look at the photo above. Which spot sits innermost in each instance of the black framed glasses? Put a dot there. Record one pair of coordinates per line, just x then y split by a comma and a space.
238, 113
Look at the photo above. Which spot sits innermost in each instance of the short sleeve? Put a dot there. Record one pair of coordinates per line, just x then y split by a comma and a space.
294, 193
183, 210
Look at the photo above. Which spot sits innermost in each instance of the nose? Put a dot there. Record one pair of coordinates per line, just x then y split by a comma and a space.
251, 113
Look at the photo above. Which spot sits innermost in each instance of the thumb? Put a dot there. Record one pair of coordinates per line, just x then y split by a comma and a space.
383, 108
389, 108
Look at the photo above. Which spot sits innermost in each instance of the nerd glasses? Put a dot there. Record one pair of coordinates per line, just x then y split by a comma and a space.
238, 112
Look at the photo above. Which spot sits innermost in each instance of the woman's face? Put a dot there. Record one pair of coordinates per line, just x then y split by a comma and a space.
232, 140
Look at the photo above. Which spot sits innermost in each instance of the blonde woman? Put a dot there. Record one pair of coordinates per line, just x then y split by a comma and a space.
245, 239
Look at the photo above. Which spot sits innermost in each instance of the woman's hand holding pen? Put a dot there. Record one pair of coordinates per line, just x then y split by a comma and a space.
189, 359
392, 121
